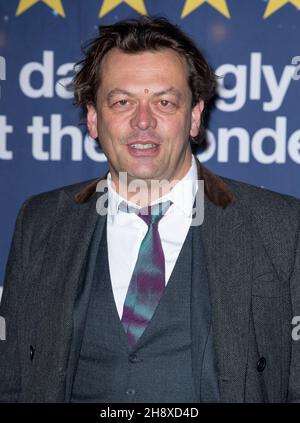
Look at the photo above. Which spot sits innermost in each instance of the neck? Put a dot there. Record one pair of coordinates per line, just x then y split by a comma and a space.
143, 192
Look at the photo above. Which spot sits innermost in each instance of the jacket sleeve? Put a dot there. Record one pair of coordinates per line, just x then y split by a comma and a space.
294, 378
10, 375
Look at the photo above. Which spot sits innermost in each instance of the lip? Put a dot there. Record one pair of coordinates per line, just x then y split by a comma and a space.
143, 142
149, 152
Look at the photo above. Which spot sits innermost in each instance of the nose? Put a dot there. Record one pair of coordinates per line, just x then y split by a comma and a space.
143, 118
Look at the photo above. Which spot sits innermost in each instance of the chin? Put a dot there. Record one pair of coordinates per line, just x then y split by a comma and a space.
143, 173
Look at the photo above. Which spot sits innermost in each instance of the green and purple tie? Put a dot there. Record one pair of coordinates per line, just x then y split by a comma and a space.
148, 279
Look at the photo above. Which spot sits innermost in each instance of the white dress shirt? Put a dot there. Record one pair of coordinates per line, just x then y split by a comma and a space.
125, 232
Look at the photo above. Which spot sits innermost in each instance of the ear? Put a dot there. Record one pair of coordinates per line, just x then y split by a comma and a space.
92, 121
196, 118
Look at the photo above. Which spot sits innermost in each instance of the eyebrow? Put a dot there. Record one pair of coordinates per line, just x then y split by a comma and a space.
170, 90
118, 91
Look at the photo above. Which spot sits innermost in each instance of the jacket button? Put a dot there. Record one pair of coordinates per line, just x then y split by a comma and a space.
261, 364
130, 392
32, 351
133, 358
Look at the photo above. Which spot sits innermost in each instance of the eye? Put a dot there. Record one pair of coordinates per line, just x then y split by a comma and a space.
167, 105
122, 102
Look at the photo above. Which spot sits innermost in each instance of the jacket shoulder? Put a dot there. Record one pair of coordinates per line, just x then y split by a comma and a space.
46, 202
38, 213
262, 201
275, 221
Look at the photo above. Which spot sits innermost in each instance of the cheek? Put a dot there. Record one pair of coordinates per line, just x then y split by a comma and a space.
112, 126
110, 136
106, 131
180, 129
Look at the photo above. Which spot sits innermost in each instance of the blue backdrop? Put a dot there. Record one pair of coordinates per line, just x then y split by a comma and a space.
254, 130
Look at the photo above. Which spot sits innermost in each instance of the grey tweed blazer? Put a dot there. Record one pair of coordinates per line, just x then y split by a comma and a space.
252, 248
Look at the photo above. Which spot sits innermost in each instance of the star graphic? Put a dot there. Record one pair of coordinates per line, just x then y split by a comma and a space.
191, 5
274, 5
54, 4
109, 5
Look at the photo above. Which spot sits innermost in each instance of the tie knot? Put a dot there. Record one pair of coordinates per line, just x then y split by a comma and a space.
150, 214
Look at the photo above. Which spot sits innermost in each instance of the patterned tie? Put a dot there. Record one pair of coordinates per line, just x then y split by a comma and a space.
148, 279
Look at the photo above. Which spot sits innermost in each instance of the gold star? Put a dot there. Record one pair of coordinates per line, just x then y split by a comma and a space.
274, 5
109, 5
54, 4
191, 5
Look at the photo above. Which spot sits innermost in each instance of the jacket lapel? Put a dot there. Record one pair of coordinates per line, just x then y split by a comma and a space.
228, 250
203, 352
61, 274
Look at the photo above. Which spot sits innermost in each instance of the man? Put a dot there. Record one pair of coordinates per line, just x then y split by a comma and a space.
88, 316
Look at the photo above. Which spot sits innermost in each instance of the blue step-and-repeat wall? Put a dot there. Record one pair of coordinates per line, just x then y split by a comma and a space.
253, 132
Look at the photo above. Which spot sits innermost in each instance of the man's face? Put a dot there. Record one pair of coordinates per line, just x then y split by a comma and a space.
143, 116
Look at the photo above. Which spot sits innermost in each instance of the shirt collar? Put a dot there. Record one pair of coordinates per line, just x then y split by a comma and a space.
182, 194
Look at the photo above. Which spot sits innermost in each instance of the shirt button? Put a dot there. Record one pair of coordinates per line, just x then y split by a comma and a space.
133, 358
130, 391
261, 364
31, 352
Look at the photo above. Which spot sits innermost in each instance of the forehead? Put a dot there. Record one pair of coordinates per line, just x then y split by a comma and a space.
155, 67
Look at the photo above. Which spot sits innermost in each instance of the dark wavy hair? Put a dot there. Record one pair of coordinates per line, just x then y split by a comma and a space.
136, 36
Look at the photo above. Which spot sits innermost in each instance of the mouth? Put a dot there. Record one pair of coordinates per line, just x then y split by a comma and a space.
143, 148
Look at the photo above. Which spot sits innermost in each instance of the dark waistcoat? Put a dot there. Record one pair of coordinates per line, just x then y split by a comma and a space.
159, 368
